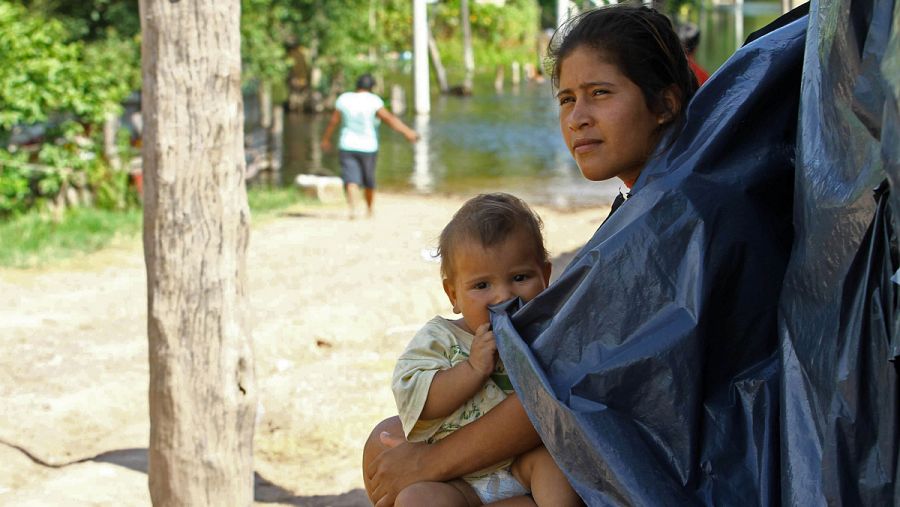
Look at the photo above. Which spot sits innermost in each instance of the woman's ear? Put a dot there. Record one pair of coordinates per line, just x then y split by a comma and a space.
671, 104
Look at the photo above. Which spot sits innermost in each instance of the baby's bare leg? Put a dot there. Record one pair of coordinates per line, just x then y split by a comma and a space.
537, 471
457, 493
516, 501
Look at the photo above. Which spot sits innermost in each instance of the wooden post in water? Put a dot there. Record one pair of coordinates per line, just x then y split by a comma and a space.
264, 94
439, 70
398, 100
275, 145
110, 147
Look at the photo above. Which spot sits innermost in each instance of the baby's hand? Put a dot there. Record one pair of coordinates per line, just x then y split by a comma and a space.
483, 356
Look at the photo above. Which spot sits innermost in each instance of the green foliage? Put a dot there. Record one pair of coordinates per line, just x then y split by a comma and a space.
42, 73
68, 87
91, 20
394, 23
66, 65
34, 239
36, 67
31, 177
15, 184
501, 34
341, 36
264, 30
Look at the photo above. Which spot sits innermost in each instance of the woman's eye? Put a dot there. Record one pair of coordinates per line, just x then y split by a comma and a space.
599, 92
565, 100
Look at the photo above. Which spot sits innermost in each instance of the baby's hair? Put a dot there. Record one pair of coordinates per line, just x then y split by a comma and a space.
638, 40
490, 219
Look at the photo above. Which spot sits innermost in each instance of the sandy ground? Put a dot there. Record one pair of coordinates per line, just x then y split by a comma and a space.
334, 301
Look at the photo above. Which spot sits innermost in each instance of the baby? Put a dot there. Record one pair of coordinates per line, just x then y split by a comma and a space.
449, 375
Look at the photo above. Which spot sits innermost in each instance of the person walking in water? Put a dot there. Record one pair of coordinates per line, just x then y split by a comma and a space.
359, 113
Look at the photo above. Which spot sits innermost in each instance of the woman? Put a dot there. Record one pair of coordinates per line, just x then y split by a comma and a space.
359, 114
622, 362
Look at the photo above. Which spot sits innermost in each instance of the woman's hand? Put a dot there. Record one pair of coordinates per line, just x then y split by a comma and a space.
391, 464
397, 467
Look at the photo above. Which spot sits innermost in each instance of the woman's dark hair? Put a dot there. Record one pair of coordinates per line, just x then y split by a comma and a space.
640, 42
365, 82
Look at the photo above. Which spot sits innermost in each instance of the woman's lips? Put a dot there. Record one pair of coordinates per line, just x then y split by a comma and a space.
585, 145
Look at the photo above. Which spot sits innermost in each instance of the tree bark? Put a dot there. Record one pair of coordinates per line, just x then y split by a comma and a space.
196, 226
468, 53
439, 71
110, 148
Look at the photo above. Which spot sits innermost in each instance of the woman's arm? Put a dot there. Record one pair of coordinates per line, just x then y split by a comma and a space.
397, 124
505, 431
329, 130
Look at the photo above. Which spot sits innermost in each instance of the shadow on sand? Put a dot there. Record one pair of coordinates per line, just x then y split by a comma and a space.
264, 491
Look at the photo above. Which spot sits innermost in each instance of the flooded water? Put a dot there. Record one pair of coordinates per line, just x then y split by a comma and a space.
722, 32
492, 141
505, 140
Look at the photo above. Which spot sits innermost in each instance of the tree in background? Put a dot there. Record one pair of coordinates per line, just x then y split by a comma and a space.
196, 227
56, 91
500, 34
66, 66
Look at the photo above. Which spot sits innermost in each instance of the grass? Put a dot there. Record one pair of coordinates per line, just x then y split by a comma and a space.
36, 240
266, 202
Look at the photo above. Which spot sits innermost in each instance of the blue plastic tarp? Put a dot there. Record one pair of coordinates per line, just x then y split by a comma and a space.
704, 347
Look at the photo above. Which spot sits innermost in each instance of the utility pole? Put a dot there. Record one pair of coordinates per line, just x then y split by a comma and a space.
420, 58
562, 12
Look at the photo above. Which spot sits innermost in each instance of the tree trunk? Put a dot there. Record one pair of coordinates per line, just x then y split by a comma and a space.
110, 147
468, 53
264, 93
275, 145
439, 71
196, 226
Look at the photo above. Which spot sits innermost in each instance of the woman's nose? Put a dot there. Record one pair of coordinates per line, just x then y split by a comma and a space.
578, 118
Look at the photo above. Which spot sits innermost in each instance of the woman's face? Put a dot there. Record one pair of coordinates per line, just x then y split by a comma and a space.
604, 118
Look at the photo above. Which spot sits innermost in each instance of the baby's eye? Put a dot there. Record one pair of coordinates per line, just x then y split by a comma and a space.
520, 277
480, 285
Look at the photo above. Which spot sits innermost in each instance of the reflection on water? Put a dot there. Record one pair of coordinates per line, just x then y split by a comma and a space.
722, 31
492, 141
421, 177
496, 140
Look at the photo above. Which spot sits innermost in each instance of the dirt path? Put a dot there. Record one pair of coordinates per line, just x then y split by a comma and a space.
334, 301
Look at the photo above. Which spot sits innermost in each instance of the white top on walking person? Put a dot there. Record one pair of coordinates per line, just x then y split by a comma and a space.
359, 113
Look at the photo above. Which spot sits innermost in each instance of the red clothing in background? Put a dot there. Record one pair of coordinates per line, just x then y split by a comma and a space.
699, 71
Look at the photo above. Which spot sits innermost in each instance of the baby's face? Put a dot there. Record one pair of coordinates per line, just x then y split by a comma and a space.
487, 276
